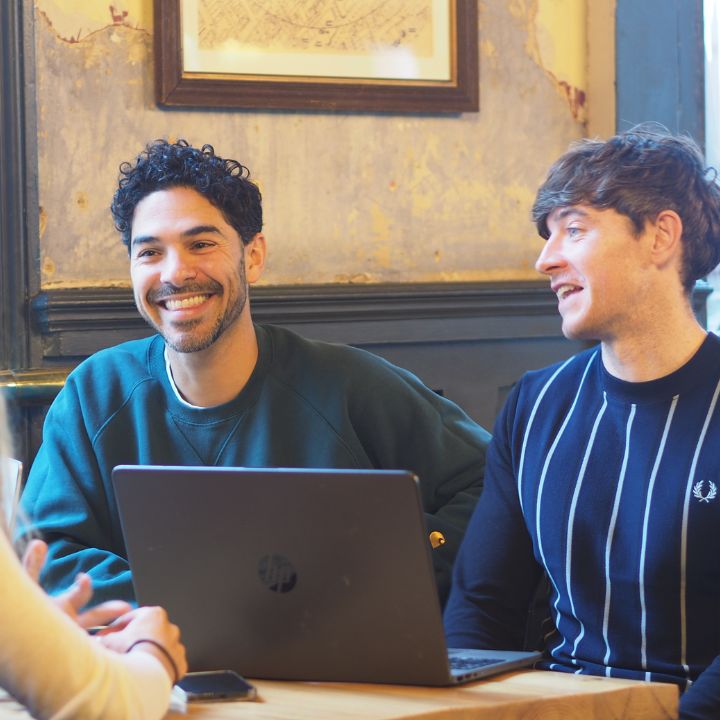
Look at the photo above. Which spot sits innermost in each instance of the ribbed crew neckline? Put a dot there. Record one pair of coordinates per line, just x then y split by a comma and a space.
706, 361
217, 413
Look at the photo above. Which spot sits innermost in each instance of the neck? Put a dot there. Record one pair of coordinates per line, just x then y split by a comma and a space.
217, 374
661, 345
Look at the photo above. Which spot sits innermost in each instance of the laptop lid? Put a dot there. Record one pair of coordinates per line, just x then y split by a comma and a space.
288, 574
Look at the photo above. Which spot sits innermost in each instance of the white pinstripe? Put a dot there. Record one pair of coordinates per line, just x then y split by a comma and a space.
611, 534
530, 423
541, 485
571, 525
646, 520
683, 544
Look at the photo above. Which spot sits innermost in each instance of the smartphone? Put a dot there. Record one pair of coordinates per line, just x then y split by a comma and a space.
217, 685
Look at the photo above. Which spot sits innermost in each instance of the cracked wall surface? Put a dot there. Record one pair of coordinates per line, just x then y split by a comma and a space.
347, 197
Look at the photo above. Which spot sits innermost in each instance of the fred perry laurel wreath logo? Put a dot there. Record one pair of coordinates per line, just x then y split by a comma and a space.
277, 572
698, 491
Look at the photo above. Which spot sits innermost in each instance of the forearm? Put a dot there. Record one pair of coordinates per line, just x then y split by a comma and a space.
48, 663
65, 503
496, 572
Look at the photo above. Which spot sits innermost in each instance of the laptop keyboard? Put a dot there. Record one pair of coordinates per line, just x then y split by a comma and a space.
458, 662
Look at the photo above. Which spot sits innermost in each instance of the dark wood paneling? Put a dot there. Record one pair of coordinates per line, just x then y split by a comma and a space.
468, 341
14, 347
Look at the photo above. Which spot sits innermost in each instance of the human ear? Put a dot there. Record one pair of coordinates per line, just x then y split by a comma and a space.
667, 238
255, 252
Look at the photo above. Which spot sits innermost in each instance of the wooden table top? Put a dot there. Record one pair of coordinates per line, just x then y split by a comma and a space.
524, 695
528, 694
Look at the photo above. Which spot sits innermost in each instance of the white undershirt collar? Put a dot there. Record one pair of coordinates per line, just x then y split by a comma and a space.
174, 386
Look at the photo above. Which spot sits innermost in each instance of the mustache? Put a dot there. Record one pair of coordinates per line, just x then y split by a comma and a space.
168, 290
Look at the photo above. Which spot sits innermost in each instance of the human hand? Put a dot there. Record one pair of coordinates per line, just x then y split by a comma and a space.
72, 600
148, 629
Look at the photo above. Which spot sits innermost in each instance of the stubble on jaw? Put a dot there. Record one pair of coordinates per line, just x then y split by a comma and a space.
222, 323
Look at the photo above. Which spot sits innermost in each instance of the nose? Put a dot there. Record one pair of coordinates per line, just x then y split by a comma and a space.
177, 268
550, 258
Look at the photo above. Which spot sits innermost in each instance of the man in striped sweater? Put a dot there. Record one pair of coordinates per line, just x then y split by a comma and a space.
604, 470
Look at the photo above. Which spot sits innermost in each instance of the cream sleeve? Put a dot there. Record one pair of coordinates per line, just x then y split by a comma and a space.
58, 671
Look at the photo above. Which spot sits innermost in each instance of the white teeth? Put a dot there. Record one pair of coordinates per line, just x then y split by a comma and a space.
186, 302
564, 290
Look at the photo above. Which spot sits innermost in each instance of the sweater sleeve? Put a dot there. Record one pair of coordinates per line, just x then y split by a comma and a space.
402, 424
58, 671
496, 573
702, 700
70, 503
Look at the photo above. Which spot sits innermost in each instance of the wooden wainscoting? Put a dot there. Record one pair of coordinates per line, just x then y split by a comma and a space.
468, 341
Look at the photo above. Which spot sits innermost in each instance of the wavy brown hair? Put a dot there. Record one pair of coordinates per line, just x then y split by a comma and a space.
640, 173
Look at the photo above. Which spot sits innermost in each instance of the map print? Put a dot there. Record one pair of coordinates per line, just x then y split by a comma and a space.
317, 26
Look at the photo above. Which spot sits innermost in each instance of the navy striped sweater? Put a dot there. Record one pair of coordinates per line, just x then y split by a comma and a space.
613, 489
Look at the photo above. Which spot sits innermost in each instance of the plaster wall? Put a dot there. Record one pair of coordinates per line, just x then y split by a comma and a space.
348, 197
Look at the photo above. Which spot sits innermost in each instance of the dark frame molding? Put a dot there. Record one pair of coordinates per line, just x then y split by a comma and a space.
14, 254
77, 309
77, 322
175, 87
74, 323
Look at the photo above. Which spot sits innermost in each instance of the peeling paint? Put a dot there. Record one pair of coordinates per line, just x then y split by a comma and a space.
42, 221
81, 200
382, 256
74, 20
576, 100
84, 37
348, 197
380, 224
557, 42
521, 195
48, 266
522, 9
356, 279
72, 284
487, 48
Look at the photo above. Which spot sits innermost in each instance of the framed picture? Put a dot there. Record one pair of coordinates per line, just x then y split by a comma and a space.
360, 55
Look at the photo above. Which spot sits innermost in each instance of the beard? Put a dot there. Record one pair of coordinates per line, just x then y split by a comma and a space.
190, 337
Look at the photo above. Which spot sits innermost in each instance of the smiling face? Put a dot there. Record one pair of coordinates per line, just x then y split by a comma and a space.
188, 268
596, 264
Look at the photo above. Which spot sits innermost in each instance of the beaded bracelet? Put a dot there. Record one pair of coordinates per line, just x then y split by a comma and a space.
163, 650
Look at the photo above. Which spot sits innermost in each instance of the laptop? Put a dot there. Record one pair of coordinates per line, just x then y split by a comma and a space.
294, 574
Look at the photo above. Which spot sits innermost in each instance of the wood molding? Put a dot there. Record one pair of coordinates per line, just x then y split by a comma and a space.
90, 308
76, 322
176, 87
468, 341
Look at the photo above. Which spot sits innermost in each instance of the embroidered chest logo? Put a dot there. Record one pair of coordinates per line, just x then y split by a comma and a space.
698, 491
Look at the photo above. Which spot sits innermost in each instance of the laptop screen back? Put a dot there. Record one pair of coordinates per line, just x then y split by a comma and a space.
288, 574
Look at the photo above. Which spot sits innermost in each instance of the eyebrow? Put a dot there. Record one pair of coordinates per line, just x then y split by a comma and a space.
191, 232
571, 210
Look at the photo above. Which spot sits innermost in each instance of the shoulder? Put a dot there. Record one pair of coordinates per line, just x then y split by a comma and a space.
551, 387
292, 353
562, 374
127, 361
107, 379
329, 373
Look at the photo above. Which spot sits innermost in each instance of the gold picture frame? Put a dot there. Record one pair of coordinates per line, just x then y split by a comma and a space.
391, 56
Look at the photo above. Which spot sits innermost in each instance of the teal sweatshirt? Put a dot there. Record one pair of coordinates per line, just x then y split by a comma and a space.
307, 404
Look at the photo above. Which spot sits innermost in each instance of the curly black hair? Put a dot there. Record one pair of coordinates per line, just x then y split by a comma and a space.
163, 165
639, 173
